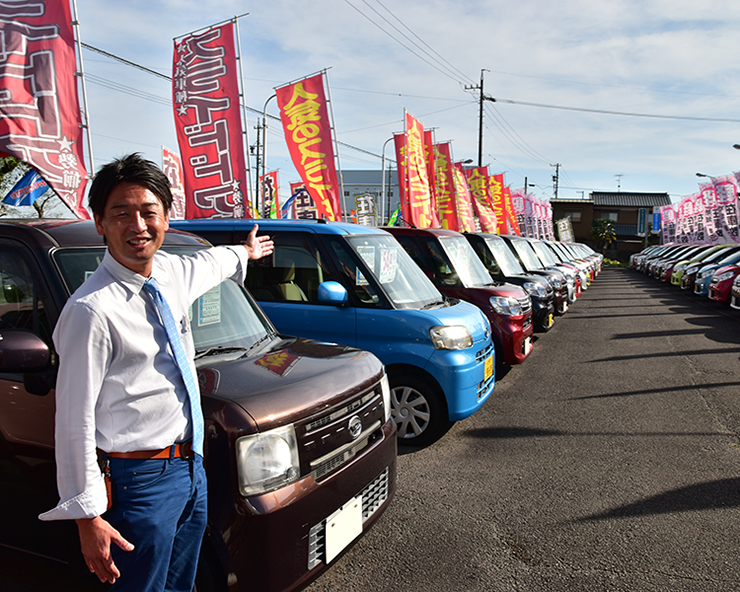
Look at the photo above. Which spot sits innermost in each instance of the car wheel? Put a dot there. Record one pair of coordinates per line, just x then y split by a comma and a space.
418, 410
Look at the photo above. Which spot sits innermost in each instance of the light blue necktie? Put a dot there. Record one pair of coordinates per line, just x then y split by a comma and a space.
165, 315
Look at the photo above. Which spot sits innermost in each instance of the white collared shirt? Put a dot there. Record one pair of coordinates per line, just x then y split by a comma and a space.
118, 386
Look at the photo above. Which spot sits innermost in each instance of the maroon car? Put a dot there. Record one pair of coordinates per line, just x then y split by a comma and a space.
300, 449
451, 263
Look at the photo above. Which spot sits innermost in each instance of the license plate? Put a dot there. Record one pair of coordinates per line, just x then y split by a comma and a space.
550, 320
343, 527
527, 345
488, 372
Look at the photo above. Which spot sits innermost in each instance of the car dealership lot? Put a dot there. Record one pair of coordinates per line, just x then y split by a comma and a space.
609, 461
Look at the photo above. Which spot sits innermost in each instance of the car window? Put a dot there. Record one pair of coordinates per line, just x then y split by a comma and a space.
292, 273
21, 305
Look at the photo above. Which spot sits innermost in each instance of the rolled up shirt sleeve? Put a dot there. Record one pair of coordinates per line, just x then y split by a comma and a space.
84, 347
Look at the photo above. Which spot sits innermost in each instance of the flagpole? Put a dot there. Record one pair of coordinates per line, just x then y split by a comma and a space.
244, 111
81, 74
336, 145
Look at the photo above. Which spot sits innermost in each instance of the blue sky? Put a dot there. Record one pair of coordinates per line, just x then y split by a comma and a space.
671, 58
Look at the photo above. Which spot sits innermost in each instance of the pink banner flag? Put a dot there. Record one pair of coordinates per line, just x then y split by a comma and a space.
725, 213
419, 191
40, 121
209, 125
446, 201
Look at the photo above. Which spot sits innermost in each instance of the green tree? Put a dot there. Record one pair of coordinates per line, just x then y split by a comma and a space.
604, 232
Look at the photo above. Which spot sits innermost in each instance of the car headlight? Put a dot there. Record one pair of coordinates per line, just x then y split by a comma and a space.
703, 274
267, 461
679, 267
385, 389
451, 337
506, 305
690, 270
535, 289
724, 276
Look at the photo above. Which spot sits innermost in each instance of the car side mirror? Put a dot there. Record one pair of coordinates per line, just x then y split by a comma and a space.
22, 351
332, 292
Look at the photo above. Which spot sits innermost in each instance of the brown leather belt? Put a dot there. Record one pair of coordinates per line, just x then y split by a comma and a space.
181, 450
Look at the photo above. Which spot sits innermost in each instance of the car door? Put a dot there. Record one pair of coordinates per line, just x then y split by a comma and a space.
27, 468
286, 285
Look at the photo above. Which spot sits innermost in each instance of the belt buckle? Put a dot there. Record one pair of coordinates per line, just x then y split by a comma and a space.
186, 450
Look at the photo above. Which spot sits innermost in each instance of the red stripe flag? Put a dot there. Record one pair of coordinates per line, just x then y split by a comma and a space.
308, 135
209, 125
40, 120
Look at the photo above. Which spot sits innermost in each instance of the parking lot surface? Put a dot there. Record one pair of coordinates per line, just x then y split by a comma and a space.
609, 460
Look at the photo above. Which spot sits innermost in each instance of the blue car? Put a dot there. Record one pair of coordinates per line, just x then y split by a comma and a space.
355, 285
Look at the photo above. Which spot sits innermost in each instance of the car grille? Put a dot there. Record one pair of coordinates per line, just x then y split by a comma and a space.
373, 497
526, 304
325, 442
484, 385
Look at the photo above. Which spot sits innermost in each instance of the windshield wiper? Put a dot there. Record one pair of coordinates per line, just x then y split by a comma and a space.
259, 342
218, 349
433, 304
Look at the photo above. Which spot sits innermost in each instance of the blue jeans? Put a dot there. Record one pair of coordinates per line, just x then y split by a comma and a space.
161, 507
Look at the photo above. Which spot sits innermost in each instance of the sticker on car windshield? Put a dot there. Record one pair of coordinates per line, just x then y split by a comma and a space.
209, 307
388, 265
368, 256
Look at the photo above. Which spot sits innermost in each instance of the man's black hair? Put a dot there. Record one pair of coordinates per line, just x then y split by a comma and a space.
131, 168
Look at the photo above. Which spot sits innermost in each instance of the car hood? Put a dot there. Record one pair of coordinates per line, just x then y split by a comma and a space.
291, 379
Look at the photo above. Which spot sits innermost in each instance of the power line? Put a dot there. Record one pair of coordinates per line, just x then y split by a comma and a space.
624, 113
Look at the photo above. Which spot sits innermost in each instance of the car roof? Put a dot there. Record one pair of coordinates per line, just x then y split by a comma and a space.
272, 225
422, 231
52, 232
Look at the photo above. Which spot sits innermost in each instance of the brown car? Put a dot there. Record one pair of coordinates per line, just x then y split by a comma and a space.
300, 448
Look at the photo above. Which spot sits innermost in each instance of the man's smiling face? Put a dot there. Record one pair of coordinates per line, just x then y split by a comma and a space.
133, 224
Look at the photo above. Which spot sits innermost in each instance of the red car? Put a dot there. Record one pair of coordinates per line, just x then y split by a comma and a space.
720, 285
450, 261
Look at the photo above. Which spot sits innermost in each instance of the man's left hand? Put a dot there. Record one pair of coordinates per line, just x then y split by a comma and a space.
258, 246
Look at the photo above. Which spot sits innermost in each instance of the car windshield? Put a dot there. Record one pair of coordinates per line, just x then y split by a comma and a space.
730, 259
466, 264
506, 260
402, 280
221, 318
527, 255
546, 255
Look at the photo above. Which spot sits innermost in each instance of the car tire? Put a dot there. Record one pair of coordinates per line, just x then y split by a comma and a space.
418, 410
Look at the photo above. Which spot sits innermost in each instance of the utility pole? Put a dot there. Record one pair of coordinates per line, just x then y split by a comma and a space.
480, 115
556, 178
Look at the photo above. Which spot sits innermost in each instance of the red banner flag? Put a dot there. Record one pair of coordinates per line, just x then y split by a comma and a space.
172, 167
40, 120
446, 201
308, 135
303, 206
464, 199
514, 210
419, 193
478, 179
496, 186
429, 155
399, 142
208, 121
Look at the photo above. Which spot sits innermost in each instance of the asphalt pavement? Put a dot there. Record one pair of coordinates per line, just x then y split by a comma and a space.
608, 461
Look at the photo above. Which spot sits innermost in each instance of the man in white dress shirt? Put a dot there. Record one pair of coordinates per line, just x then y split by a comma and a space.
120, 389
